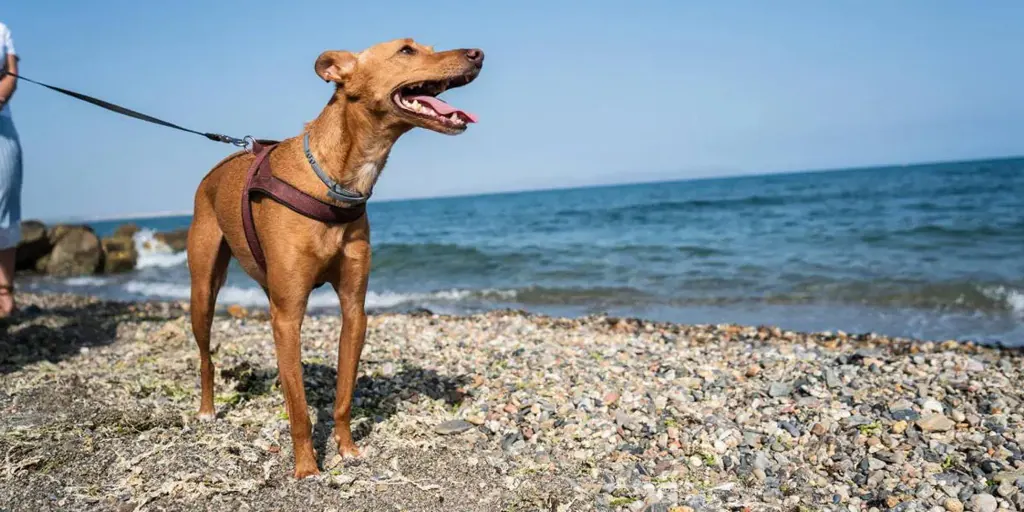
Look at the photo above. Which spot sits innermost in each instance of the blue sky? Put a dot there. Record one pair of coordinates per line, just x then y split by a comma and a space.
572, 93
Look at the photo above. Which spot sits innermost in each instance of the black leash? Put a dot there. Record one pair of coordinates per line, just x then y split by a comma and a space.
216, 137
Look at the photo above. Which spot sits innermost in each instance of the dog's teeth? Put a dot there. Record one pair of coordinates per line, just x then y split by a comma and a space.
454, 117
415, 104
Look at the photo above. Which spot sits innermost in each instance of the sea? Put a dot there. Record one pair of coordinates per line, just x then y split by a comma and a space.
931, 251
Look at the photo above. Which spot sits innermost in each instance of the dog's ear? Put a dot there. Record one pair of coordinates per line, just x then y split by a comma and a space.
335, 66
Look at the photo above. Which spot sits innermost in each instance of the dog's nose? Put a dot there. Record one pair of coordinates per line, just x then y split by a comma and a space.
475, 56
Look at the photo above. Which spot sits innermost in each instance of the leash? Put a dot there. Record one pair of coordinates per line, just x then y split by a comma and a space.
245, 142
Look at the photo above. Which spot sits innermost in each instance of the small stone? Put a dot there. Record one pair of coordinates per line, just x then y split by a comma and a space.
1018, 500
832, 380
974, 366
925, 491
953, 505
932, 405
818, 429
958, 416
905, 414
610, 398
983, 503
872, 464
511, 409
900, 405
752, 371
935, 423
1006, 490
1008, 476
791, 428
899, 427
759, 474
892, 501
760, 461
779, 389
342, 480
453, 427
237, 311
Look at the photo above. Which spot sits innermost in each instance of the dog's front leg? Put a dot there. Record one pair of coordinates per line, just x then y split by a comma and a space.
289, 293
350, 284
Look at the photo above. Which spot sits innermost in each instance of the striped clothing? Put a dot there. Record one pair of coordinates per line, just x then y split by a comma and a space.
10, 163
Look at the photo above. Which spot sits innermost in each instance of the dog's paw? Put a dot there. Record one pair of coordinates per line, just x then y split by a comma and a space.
349, 452
206, 417
306, 471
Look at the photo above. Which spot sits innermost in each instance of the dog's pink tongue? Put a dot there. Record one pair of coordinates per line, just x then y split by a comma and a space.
443, 108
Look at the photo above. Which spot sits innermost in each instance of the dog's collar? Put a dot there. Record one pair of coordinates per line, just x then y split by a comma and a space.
334, 189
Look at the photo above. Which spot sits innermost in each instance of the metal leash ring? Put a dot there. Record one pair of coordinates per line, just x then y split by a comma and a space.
248, 143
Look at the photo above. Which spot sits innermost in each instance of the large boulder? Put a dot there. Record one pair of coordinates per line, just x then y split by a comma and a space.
76, 251
126, 230
176, 240
119, 254
34, 245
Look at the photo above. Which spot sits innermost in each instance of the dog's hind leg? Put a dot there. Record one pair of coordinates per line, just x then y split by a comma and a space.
208, 258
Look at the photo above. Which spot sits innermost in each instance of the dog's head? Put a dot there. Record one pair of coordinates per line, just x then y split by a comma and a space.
399, 81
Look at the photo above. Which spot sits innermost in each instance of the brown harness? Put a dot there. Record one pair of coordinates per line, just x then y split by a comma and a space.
261, 180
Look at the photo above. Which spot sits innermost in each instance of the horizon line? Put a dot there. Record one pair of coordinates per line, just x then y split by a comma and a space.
920, 163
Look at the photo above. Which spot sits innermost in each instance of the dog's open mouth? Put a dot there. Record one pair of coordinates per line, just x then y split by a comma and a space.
420, 99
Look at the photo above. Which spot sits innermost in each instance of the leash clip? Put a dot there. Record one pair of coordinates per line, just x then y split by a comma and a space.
247, 143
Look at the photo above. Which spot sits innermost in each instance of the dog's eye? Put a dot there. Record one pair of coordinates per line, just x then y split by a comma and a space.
407, 50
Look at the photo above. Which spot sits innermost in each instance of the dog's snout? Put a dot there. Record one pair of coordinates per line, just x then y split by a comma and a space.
476, 56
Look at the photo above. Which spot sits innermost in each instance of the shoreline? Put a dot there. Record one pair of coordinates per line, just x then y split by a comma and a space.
505, 410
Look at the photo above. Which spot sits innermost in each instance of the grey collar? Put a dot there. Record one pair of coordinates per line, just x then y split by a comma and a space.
334, 189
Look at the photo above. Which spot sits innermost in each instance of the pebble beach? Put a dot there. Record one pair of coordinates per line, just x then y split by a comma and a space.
504, 411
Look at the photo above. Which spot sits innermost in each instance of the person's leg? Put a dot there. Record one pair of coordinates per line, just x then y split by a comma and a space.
6, 282
10, 210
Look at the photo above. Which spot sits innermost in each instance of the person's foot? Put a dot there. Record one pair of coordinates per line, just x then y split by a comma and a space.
7, 307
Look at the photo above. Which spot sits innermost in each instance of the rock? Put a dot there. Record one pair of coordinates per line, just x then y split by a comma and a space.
119, 255
779, 389
76, 251
900, 405
791, 428
925, 491
126, 230
34, 245
610, 398
342, 480
752, 371
935, 423
905, 414
453, 427
1008, 476
176, 240
932, 405
983, 503
1018, 500
953, 505
899, 427
237, 311
1006, 490
818, 429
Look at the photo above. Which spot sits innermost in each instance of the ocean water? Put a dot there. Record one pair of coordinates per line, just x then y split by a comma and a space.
929, 251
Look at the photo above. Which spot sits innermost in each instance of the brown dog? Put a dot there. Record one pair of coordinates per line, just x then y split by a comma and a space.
380, 93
